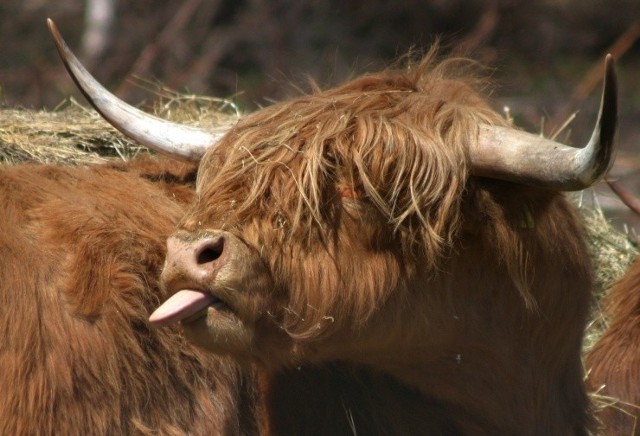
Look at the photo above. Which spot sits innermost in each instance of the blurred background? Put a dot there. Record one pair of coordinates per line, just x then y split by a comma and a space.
544, 56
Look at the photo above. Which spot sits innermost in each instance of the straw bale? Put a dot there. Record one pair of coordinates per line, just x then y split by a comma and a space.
73, 134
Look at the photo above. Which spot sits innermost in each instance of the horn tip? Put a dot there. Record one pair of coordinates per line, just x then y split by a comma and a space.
55, 33
609, 64
52, 26
610, 69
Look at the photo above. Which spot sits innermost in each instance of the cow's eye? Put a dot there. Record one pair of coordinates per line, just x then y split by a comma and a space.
350, 192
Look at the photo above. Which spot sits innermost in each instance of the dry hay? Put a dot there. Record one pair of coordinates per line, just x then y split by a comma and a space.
73, 134
612, 253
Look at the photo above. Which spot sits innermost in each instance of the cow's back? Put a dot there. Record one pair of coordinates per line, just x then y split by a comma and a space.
81, 251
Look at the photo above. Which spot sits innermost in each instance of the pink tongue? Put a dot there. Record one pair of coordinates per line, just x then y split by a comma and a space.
180, 306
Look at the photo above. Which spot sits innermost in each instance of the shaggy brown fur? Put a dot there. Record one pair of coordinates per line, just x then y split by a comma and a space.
81, 251
613, 364
418, 293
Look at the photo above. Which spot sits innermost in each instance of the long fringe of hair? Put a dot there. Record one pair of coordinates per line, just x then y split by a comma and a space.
396, 139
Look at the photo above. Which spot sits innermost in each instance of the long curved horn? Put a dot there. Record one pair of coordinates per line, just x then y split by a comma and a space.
176, 140
510, 154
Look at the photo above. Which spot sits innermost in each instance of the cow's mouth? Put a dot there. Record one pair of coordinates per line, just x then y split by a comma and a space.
186, 305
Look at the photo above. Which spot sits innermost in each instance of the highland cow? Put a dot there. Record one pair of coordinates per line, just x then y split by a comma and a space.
390, 256
82, 249
613, 364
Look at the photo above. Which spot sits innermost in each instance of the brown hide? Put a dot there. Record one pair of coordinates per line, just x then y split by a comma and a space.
424, 300
613, 364
81, 251
505, 369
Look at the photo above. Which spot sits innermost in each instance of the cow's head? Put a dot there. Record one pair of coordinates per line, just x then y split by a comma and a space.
317, 218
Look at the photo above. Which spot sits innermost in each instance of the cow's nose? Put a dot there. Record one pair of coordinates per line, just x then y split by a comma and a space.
190, 261
208, 250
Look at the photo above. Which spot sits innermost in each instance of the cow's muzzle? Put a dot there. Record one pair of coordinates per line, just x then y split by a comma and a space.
200, 272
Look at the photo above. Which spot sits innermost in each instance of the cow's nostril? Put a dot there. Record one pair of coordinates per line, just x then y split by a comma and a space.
210, 250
